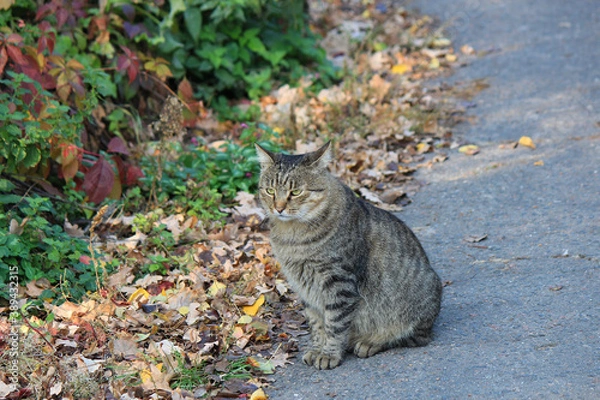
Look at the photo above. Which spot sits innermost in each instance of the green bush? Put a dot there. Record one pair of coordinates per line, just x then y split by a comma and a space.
230, 49
197, 179
41, 249
78, 79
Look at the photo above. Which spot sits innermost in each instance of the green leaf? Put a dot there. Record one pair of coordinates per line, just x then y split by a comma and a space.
6, 185
170, 44
10, 199
225, 77
33, 157
193, 23
257, 46
275, 57
19, 154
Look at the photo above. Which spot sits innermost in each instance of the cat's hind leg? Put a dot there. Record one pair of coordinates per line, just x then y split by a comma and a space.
421, 336
365, 349
370, 343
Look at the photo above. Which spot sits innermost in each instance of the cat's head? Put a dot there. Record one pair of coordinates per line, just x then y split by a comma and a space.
294, 187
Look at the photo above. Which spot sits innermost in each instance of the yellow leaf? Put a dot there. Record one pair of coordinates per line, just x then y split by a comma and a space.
74, 64
215, 287
400, 69
434, 64
466, 49
244, 320
138, 294
5, 4
423, 148
253, 309
539, 163
184, 310
451, 57
145, 375
527, 142
469, 149
258, 394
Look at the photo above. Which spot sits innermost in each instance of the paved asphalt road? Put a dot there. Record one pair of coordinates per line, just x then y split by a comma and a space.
521, 317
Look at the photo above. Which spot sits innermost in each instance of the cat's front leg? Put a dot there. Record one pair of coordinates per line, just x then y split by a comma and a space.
317, 335
330, 335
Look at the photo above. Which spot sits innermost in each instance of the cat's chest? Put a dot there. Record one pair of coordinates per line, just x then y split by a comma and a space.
305, 278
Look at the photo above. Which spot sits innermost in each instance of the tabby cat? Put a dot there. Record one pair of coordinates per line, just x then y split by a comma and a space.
363, 276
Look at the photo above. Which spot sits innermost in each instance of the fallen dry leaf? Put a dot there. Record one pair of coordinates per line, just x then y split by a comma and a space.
527, 142
5, 389
467, 50
258, 394
124, 348
139, 294
475, 238
379, 87
73, 230
369, 195
510, 145
400, 69
469, 149
252, 310
16, 228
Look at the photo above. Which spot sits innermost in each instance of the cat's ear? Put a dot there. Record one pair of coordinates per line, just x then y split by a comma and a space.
322, 157
265, 157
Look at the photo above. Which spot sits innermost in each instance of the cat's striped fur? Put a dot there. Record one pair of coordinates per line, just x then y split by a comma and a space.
362, 274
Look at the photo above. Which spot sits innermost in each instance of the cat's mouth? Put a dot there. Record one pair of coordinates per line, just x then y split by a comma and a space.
284, 217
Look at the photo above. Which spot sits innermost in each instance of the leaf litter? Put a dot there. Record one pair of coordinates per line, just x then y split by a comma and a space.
221, 320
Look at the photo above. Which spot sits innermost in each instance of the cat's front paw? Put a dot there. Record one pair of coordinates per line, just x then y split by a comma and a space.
321, 360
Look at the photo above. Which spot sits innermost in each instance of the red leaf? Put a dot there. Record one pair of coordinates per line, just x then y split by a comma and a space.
85, 259
45, 10
99, 181
16, 55
62, 16
15, 39
133, 174
116, 145
121, 166
47, 39
128, 62
185, 90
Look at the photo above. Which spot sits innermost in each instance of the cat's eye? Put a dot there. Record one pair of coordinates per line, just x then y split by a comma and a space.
296, 192
270, 191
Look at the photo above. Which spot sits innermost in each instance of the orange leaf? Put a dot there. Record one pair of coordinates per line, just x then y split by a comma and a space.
69, 170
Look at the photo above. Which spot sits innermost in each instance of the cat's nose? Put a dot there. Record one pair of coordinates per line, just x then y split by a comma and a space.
280, 207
